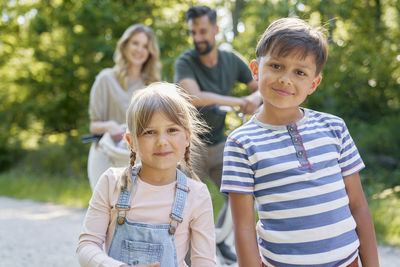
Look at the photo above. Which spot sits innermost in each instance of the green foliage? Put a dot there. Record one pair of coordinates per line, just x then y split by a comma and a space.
379, 144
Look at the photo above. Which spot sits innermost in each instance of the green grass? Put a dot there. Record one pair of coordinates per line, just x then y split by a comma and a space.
385, 210
217, 198
69, 191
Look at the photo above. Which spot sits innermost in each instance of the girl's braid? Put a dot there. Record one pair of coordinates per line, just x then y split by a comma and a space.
189, 164
127, 177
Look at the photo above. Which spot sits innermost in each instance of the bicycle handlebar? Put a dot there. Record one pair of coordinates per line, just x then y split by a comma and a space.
89, 138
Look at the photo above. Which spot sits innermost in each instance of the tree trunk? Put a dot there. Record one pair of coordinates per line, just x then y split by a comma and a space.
236, 15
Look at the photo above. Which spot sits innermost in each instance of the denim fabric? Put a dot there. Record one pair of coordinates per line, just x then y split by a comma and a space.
139, 243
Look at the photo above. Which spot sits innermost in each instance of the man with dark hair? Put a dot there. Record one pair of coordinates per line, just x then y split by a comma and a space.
208, 74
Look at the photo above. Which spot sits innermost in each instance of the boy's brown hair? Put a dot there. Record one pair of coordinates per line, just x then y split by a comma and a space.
285, 35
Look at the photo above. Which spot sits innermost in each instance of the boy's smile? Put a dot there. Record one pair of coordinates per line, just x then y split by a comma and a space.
285, 82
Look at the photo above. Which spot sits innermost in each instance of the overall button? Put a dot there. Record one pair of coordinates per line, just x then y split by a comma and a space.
295, 139
300, 153
120, 220
291, 129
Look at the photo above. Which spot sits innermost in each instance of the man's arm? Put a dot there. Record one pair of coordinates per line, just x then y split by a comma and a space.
254, 100
252, 86
242, 206
201, 98
365, 227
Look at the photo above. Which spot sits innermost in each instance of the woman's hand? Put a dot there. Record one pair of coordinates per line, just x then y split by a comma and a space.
116, 131
100, 127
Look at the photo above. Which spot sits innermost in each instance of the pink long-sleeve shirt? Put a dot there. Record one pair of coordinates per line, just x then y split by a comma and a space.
149, 204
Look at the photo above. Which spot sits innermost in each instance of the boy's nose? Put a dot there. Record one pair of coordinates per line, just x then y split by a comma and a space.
285, 80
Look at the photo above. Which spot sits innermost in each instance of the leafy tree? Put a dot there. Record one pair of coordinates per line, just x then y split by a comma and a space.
51, 51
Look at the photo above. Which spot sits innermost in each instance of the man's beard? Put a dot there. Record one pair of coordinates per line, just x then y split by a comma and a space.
205, 51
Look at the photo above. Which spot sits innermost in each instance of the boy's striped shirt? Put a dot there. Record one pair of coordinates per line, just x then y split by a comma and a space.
296, 174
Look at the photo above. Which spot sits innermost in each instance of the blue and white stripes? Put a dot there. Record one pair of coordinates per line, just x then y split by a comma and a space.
296, 173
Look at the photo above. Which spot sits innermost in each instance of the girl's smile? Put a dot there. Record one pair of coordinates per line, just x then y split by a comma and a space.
162, 154
161, 146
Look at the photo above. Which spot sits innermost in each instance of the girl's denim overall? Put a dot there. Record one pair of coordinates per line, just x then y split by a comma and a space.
139, 243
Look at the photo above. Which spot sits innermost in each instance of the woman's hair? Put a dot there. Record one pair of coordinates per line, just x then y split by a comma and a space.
175, 104
151, 70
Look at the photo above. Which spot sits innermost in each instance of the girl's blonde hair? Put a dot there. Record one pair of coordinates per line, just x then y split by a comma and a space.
175, 104
151, 70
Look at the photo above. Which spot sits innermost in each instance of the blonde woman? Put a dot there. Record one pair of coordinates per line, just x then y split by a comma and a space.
137, 64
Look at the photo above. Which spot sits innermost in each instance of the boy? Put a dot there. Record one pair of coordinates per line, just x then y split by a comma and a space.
300, 165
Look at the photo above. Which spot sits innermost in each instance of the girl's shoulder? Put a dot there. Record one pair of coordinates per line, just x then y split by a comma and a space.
198, 189
109, 180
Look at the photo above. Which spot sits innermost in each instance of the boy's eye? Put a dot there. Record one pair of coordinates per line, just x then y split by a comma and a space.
299, 72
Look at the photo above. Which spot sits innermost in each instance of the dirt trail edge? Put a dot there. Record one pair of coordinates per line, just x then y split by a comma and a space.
42, 234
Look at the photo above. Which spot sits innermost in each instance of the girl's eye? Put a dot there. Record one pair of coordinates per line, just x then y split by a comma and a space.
173, 130
148, 132
275, 66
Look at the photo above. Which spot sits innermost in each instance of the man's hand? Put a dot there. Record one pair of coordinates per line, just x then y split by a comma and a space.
251, 103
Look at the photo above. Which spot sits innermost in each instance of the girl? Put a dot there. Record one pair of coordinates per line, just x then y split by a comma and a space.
147, 213
137, 64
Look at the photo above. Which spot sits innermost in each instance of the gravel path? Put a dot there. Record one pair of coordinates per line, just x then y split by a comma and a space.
45, 235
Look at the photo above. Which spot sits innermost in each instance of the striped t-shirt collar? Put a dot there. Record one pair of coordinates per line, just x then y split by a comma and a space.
282, 127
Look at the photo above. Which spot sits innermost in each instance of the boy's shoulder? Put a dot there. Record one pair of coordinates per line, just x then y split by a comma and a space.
323, 117
246, 130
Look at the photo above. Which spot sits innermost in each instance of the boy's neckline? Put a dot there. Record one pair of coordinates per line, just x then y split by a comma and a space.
264, 118
283, 126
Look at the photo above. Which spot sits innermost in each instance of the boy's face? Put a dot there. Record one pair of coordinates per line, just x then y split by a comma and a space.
285, 82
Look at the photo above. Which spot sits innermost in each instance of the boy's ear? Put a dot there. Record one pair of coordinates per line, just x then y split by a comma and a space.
254, 69
315, 84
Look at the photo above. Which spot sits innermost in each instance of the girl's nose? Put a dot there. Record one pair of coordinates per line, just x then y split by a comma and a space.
162, 139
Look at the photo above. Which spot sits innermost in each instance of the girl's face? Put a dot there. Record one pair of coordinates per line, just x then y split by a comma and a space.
137, 49
162, 144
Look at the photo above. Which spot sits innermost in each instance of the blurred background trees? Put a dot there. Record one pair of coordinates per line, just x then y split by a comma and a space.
51, 51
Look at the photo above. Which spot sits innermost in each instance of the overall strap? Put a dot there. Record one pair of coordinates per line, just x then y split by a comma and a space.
179, 202
124, 199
